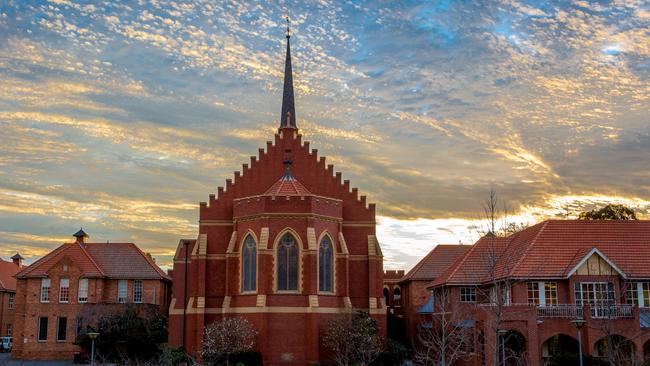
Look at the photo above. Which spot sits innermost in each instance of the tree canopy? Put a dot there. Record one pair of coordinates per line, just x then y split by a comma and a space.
609, 212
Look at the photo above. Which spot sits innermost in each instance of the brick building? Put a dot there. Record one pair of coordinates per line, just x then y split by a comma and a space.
415, 296
62, 293
392, 292
525, 296
287, 244
8, 292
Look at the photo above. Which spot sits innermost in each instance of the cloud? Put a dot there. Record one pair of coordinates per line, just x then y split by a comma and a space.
132, 113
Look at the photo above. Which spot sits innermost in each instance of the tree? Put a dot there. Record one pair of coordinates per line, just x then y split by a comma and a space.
131, 333
447, 338
227, 337
353, 338
496, 217
609, 212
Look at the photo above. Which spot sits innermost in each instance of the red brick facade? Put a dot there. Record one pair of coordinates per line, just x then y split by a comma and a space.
8, 293
266, 201
534, 286
74, 262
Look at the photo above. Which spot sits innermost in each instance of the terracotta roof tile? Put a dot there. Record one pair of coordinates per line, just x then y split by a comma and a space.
287, 186
7, 272
551, 249
112, 260
436, 262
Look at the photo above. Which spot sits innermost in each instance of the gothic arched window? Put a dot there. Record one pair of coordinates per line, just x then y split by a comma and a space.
249, 264
287, 263
325, 265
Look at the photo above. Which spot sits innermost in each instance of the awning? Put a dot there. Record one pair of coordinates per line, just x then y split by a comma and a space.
644, 319
427, 308
467, 323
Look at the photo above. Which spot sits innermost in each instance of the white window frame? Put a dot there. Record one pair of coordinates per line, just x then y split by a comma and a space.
122, 291
136, 284
468, 297
64, 290
82, 293
12, 300
541, 293
46, 284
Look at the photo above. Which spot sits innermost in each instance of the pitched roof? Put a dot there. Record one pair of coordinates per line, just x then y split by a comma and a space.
475, 263
124, 260
436, 262
111, 260
7, 272
553, 248
287, 186
625, 242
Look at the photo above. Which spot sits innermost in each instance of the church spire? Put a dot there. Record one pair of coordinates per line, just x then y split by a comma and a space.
288, 115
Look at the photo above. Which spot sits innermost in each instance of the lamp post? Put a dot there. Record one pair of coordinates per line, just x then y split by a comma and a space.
579, 323
92, 336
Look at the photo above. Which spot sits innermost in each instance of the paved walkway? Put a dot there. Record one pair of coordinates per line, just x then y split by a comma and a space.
6, 361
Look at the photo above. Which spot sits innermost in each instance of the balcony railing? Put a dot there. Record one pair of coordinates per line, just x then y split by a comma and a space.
611, 311
566, 311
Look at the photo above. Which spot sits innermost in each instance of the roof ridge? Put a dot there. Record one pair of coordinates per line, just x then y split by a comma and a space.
419, 265
462, 260
530, 245
92, 260
151, 262
29, 269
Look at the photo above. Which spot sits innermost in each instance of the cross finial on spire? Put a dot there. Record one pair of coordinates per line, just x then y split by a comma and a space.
288, 114
288, 29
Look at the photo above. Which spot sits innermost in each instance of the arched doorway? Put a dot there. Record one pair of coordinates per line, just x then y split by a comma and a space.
397, 297
387, 296
615, 349
512, 348
559, 349
646, 351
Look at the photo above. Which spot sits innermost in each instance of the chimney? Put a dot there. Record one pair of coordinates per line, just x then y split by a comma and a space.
17, 259
80, 236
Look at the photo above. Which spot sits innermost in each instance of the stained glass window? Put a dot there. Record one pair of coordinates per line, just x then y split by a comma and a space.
249, 266
325, 265
287, 264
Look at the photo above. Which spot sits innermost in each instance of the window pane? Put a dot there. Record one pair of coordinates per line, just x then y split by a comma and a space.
64, 290
325, 265
122, 286
287, 263
550, 290
62, 331
82, 296
533, 293
137, 291
249, 267
45, 290
42, 329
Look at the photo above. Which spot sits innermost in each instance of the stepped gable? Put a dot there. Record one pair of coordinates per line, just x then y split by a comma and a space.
436, 262
316, 176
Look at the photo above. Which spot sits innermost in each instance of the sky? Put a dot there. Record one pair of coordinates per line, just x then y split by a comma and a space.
119, 117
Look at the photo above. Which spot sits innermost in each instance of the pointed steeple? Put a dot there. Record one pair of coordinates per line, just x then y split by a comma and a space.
288, 115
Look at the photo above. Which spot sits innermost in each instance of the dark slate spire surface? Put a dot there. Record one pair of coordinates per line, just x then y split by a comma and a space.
288, 114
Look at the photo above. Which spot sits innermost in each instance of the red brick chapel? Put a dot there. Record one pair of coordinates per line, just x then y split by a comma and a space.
287, 244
